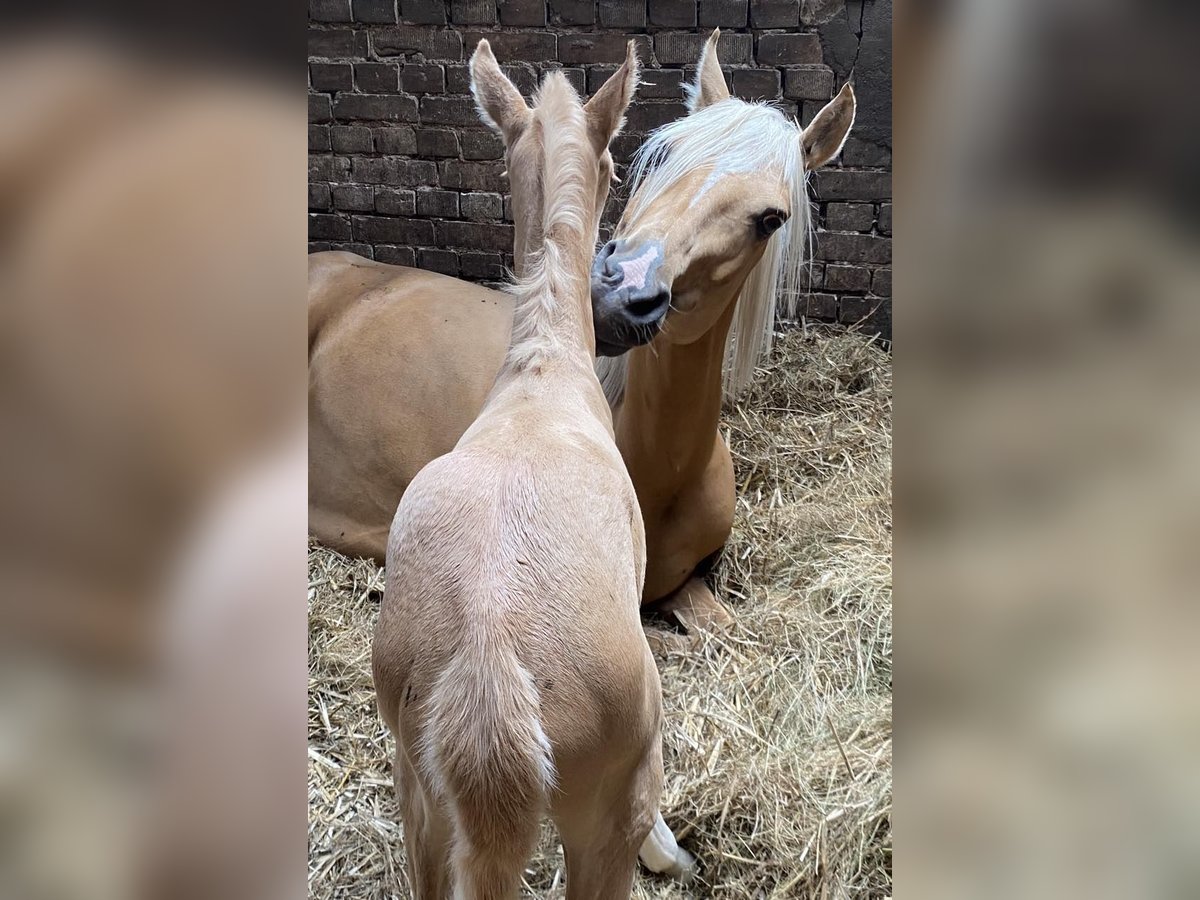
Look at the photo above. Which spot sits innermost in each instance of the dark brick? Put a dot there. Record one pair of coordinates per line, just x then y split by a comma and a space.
472, 12
318, 246
328, 168
522, 12
437, 203
856, 309
810, 108
395, 256
481, 145
623, 146
375, 12
375, 229
661, 84
846, 184
337, 43
854, 248
723, 13
364, 250
438, 142
849, 216
864, 153
680, 49
808, 83
319, 196
329, 10
331, 76
583, 49
645, 117
449, 110
847, 278
477, 264
573, 12
818, 12
812, 276
318, 138
597, 75
788, 49
357, 197
475, 235
443, 261
393, 202
820, 306
326, 227
677, 13
531, 46
774, 13
881, 283
377, 78
756, 84
623, 14
481, 207
885, 218
423, 12
394, 172
411, 172
396, 140
522, 75
472, 176
351, 138
378, 107
427, 79
435, 43
318, 108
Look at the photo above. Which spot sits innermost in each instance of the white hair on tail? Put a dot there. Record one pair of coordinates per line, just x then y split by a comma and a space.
733, 136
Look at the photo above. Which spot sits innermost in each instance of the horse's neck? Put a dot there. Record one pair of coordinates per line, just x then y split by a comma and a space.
668, 418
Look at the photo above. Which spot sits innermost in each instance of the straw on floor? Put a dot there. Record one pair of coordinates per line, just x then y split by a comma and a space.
778, 732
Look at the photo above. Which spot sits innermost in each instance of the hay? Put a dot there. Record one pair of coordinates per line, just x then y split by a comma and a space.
778, 733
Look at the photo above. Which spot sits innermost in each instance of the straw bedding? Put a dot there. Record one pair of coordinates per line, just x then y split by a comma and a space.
778, 732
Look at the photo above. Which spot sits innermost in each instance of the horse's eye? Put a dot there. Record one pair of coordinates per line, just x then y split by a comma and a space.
771, 221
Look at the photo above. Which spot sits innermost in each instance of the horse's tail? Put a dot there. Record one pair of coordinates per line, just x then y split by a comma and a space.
488, 757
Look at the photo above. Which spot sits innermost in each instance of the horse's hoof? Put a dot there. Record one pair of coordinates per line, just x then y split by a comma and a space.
684, 868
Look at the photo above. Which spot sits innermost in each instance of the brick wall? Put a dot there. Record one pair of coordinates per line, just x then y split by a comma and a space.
401, 170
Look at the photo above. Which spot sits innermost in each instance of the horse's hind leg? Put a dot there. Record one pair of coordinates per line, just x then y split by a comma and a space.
426, 835
603, 840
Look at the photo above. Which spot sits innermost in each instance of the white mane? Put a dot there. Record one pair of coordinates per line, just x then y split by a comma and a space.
731, 136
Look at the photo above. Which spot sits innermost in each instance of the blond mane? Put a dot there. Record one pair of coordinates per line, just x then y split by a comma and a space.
567, 169
731, 136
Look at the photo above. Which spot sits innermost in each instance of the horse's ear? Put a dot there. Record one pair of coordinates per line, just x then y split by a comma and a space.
709, 86
606, 110
500, 104
823, 138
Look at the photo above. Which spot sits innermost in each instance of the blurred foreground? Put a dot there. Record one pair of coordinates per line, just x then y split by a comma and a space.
152, 475
1048, 494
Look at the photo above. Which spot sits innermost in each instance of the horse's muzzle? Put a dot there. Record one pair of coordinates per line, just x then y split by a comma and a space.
629, 298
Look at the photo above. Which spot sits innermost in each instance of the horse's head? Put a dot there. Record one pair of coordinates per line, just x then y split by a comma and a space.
714, 194
524, 130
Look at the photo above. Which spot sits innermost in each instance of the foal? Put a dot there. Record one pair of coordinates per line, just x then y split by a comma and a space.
509, 658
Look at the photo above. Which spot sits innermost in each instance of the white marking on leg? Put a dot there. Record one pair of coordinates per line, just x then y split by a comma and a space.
661, 853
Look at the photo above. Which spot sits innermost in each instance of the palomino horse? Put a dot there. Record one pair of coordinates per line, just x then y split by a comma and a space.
509, 658
401, 360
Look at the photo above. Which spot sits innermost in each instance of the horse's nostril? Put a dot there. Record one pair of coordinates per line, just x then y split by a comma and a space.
649, 307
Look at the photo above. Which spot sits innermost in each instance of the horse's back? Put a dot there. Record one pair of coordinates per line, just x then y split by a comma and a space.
400, 361
508, 535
